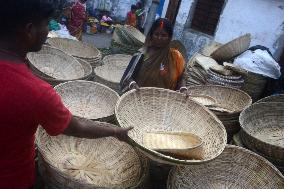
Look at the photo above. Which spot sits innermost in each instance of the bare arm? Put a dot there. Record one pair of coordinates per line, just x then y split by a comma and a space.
91, 130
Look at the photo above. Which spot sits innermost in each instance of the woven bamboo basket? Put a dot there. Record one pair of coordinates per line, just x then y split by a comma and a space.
110, 73
78, 49
177, 144
237, 140
254, 85
236, 168
153, 109
274, 98
263, 128
241, 136
88, 72
135, 34
230, 103
54, 63
232, 48
209, 49
72, 163
88, 99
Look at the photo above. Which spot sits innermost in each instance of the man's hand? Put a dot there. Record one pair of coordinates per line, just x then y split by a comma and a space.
122, 133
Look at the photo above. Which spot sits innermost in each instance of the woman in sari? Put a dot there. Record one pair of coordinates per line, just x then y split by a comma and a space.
78, 17
158, 65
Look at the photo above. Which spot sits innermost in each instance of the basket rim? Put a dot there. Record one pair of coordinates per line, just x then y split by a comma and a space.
224, 87
215, 54
106, 118
270, 97
85, 44
243, 114
163, 157
49, 78
243, 151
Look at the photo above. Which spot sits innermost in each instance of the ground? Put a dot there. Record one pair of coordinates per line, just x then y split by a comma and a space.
100, 40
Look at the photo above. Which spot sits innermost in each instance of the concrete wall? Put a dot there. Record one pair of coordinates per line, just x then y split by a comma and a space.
264, 19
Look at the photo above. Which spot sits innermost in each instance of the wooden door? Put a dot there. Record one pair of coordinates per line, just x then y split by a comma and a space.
173, 10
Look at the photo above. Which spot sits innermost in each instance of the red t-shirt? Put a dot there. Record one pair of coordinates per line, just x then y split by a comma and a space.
25, 102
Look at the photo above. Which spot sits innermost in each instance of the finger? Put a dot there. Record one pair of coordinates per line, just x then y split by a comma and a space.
129, 128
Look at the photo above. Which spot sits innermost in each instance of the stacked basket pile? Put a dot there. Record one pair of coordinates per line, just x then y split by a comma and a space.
230, 103
55, 66
72, 163
127, 39
252, 83
110, 73
203, 70
78, 49
263, 129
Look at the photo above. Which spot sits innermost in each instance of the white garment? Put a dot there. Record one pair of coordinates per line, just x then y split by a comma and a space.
260, 62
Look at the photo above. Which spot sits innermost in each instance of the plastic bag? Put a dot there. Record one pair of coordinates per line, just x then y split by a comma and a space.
260, 62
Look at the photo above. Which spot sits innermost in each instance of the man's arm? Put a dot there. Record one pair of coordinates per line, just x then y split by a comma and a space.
89, 129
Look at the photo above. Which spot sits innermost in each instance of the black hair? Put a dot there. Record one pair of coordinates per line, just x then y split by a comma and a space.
133, 7
162, 22
17, 13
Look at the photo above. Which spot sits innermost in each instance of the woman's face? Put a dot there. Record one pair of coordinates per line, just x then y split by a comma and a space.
160, 38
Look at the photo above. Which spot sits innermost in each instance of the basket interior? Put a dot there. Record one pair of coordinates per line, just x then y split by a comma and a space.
154, 110
88, 99
265, 121
227, 98
56, 64
104, 162
74, 48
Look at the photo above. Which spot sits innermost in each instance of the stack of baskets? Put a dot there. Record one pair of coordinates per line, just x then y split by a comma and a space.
127, 39
263, 129
204, 70
78, 49
89, 100
110, 73
235, 168
72, 163
230, 103
55, 66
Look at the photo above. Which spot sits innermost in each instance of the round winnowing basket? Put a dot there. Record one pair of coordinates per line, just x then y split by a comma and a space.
232, 48
88, 99
88, 72
227, 98
54, 63
77, 49
274, 98
72, 163
111, 72
134, 34
155, 110
263, 128
236, 168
